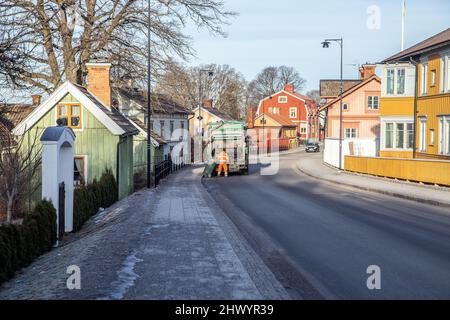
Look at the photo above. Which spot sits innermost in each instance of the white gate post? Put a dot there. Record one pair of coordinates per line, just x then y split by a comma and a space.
58, 166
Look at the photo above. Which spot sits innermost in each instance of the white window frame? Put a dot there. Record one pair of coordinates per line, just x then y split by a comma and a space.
422, 134
433, 77
371, 106
444, 134
393, 81
424, 82
345, 106
446, 85
351, 133
398, 78
394, 123
282, 99
85, 167
293, 110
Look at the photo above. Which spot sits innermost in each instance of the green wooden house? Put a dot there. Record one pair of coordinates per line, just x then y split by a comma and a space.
104, 137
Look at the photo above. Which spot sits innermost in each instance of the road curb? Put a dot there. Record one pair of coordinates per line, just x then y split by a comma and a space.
380, 191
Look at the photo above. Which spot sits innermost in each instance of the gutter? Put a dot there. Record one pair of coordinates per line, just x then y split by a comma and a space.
121, 140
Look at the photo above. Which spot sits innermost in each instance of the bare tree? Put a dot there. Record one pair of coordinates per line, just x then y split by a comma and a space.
271, 80
18, 166
188, 86
56, 38
315, 95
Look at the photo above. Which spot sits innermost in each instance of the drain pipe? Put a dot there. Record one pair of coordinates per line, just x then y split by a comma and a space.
416, 79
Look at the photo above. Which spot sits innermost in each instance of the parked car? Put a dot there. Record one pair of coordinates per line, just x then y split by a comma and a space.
312, 147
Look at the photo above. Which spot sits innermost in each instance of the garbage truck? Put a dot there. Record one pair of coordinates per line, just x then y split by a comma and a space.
231, 136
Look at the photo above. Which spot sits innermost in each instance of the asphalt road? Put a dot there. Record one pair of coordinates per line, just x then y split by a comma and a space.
319, 238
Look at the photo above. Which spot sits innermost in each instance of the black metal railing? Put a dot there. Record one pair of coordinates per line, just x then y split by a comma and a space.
164, 168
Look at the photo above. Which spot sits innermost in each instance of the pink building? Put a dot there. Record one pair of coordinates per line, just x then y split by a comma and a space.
360, 119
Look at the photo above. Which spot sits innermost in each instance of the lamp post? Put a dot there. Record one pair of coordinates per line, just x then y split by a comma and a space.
200, 93
326, 45
149, 103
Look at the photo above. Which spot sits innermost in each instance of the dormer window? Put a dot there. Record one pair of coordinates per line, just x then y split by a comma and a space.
282, 99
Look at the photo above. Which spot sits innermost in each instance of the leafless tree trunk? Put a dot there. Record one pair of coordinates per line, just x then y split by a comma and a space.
19, 164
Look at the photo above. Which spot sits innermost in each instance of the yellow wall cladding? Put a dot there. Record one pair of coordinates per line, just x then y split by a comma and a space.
428, 171
396, 106
432, 107
396, 154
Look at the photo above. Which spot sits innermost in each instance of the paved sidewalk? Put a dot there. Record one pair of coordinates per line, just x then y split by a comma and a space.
313, 166
168, 243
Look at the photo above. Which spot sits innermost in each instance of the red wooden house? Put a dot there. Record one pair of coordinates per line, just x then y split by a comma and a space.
294, 108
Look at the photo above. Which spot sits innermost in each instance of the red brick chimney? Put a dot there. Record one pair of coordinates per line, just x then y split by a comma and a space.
251, 117
36, 98
208, 104
366, 71
98, 82
289, 88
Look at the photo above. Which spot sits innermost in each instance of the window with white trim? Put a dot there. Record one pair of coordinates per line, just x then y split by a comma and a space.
401, 81
390, 81
423, 134
399, 135
345, 106
447, 73
444, 135
351, 133
433, 77
424, 82
282, 99
79, 173
373, 102
293, 113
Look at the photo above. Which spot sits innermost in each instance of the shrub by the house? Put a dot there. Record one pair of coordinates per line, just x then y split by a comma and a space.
88, 199
21, 244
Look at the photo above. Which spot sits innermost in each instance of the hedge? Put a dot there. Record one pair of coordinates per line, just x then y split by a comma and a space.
21, 244
88, 199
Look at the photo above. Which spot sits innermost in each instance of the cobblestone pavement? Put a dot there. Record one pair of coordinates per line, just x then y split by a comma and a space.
170, 243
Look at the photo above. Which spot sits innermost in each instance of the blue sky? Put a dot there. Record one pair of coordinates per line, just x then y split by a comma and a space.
290, 32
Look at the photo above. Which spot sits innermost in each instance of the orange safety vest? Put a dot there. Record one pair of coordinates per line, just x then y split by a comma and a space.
223, 157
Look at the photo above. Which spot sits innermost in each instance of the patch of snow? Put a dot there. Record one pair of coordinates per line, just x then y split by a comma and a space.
126, 278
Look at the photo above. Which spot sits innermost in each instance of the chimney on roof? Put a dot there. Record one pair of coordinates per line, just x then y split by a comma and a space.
208, 104
98, 81
366, 71
289, 88
251, 117
36, 98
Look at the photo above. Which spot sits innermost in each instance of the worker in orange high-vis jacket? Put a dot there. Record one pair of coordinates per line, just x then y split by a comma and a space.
223, 163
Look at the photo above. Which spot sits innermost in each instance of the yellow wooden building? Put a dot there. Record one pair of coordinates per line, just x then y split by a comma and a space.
427, 66
414, 115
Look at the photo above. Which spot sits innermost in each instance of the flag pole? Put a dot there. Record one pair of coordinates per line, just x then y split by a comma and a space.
403, 24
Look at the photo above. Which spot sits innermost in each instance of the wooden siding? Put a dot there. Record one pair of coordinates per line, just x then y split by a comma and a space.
397, 106
428, 171
396, 154
431, 107
140, 153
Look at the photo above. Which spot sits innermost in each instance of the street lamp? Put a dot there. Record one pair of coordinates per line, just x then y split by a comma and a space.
210, 73
326, 44
200, 92
149, 103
